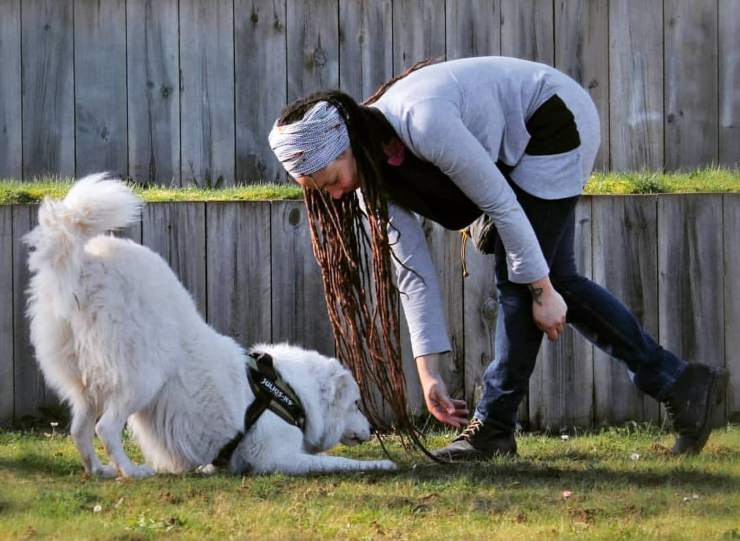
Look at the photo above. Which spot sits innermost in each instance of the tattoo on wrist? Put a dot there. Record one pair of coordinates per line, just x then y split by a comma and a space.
536, 293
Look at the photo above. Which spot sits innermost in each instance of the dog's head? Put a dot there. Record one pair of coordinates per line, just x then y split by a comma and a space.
354, 427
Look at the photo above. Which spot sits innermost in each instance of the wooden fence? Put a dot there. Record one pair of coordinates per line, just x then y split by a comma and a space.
181, 90
673, 259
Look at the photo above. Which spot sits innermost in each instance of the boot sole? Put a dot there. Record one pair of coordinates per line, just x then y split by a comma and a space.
716, 391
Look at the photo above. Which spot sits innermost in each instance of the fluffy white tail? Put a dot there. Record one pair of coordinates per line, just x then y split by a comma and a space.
95, 204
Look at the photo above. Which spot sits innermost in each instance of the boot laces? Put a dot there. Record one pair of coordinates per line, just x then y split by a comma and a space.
471, 430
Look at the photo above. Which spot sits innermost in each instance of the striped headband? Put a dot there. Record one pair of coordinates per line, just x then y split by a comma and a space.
311, 143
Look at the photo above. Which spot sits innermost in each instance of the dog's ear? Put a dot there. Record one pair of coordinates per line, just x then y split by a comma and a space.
344, 388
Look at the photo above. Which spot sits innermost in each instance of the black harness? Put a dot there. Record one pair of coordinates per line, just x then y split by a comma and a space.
271, 392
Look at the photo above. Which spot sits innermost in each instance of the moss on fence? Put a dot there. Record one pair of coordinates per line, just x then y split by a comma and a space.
701, 180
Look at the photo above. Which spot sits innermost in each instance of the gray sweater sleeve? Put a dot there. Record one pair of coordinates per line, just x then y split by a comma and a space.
437, 134
417, 283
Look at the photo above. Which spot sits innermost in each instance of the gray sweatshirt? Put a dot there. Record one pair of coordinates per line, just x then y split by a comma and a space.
463, 116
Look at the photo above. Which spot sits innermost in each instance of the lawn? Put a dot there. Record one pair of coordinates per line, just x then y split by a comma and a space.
616, 483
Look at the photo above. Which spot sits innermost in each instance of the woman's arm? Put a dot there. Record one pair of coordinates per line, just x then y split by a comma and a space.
548, 308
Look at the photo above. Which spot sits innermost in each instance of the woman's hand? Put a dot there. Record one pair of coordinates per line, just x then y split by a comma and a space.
548, 308
445, 409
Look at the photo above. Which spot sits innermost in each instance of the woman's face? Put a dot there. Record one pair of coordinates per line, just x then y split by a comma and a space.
336, 179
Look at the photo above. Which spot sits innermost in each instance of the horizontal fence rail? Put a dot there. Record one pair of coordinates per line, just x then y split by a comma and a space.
185, 91
673, 259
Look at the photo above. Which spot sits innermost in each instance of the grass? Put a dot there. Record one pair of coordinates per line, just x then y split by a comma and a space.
615, 494
710, 179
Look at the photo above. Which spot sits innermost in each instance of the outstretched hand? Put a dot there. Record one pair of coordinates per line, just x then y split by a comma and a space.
448, 410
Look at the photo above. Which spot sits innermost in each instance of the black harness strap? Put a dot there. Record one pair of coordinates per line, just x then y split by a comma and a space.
270, 392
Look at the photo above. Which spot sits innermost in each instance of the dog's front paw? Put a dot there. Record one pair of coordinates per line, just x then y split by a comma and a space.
387, 465
104, 471
141, 471
207, 469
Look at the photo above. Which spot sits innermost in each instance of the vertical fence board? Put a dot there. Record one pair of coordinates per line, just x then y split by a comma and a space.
100, 86
153, 90
690, 83
729, 82
690, 277
260, 65
6, 315
207, 91
561, 387
636, 85
11, 137
473, 28
176, 231
625, 261
418, 31
238, 262
299, 315
731, 220
582, 51
313, 47
48, 88
527, 30
365, 46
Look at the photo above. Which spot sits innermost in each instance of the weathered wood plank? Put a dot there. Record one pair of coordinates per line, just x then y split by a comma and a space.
729, 82
636, 85
48, 88
299, 309
11, 140
561, 387
691, 306
261, 86
691, 137
153, 91
418, 31
473, 28
365, 46
238, 262
527, 30
177, 232
731, 221
100, 86
313, 47
207, 91
625, 261
582, 51
6, 315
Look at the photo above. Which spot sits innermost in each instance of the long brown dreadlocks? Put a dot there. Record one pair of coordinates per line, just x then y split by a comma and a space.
352, 248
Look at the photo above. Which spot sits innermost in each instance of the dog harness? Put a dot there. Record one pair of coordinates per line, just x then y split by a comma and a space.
271, 392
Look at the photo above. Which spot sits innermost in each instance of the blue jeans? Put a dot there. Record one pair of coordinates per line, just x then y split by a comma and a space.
592, 311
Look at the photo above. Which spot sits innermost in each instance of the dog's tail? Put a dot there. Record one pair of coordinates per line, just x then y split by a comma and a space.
95, 204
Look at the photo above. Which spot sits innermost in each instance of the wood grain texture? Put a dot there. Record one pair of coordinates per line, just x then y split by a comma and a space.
11, 136
48, 88
6, 315
690, 265
418, 32
207, 91
261, 86
238, 262
582, 51
625, 261
527, 30
731, 221
365, 46
473, 28
313, 47
101, 140
561, 387
153, 91
729, 82
691, 129
177, 232
299, 309
636, 85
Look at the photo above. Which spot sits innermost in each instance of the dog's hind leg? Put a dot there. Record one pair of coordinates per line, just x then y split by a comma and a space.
109, 429
83, 431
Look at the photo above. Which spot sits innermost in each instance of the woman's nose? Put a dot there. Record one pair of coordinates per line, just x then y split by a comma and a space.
336, 193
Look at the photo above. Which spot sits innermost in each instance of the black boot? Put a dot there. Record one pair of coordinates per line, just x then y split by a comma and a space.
697, 393
478, 442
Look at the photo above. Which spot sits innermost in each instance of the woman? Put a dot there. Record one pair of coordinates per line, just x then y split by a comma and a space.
515, 140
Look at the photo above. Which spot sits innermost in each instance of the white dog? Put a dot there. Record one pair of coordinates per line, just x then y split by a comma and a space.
119, 338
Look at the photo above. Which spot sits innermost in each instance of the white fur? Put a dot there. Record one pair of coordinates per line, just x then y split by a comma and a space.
119, 338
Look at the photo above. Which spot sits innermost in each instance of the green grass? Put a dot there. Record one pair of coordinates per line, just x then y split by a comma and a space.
711, 179
44, 495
